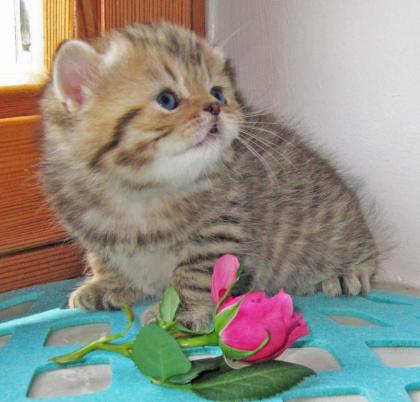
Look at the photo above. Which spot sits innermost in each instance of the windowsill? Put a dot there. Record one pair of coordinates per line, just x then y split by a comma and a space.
15, 89
20, 100
12, 79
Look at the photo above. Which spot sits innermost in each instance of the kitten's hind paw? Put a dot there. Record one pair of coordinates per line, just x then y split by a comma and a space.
332, 286
348, 284
355, 282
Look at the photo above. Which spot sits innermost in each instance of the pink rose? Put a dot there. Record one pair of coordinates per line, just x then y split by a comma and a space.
259, 322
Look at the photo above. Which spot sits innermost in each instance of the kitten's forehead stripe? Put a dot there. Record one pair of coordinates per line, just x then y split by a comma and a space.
174, 47
169, 71
181, 56
199, 52
118, 133
128, 35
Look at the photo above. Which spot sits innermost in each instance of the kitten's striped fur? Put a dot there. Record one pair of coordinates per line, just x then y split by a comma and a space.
150, 208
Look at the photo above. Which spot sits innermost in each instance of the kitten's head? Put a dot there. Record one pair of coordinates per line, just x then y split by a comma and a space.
150, 105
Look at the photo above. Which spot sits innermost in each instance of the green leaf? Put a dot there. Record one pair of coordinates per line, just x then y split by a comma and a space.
238, 354
223, 368
198, 367
156, 354
223, 319
253, 382
169, 304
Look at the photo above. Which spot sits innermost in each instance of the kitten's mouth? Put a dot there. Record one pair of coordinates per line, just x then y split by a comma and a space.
211, 136
214, 129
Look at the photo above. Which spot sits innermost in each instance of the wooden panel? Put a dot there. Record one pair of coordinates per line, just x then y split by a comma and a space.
118, 13
40, 266
88, 19
198, 17
58, 26
94, 17
19, 100
25, 219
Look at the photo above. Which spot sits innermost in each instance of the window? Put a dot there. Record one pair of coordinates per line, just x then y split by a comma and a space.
21, 32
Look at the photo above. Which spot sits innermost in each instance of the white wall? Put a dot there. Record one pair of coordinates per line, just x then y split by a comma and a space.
349, 72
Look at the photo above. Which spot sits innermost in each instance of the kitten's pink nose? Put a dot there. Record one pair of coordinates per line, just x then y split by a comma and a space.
213, 108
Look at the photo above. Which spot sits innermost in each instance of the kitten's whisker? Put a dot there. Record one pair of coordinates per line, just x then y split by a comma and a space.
246, 129
266, 166
248, 110
255, 122
273, 133
277, 135
233, 34
255, 113
260, 146
270, 147
267, 143
273, 178
264, 130
270, 108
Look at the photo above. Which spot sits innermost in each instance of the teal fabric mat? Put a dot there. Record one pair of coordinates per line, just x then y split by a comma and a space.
397, 320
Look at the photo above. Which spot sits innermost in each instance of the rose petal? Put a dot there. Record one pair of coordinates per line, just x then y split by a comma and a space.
297, 330
284, 300
224, 275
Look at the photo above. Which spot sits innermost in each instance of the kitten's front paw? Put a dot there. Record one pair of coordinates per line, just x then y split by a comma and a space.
196, 319
150, 314
101, 295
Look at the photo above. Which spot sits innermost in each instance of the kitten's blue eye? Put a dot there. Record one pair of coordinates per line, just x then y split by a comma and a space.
168, 100
218, 94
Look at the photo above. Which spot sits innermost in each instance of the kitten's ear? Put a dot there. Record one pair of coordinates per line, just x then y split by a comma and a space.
75, 73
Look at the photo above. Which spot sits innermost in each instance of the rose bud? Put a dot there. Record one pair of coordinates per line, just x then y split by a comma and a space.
262, 327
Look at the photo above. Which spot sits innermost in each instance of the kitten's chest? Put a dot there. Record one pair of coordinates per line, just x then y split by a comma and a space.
149, 270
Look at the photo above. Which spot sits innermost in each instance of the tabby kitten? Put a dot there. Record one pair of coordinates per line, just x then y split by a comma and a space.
156, 168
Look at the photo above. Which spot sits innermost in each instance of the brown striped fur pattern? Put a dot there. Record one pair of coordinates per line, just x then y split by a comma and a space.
155, 199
